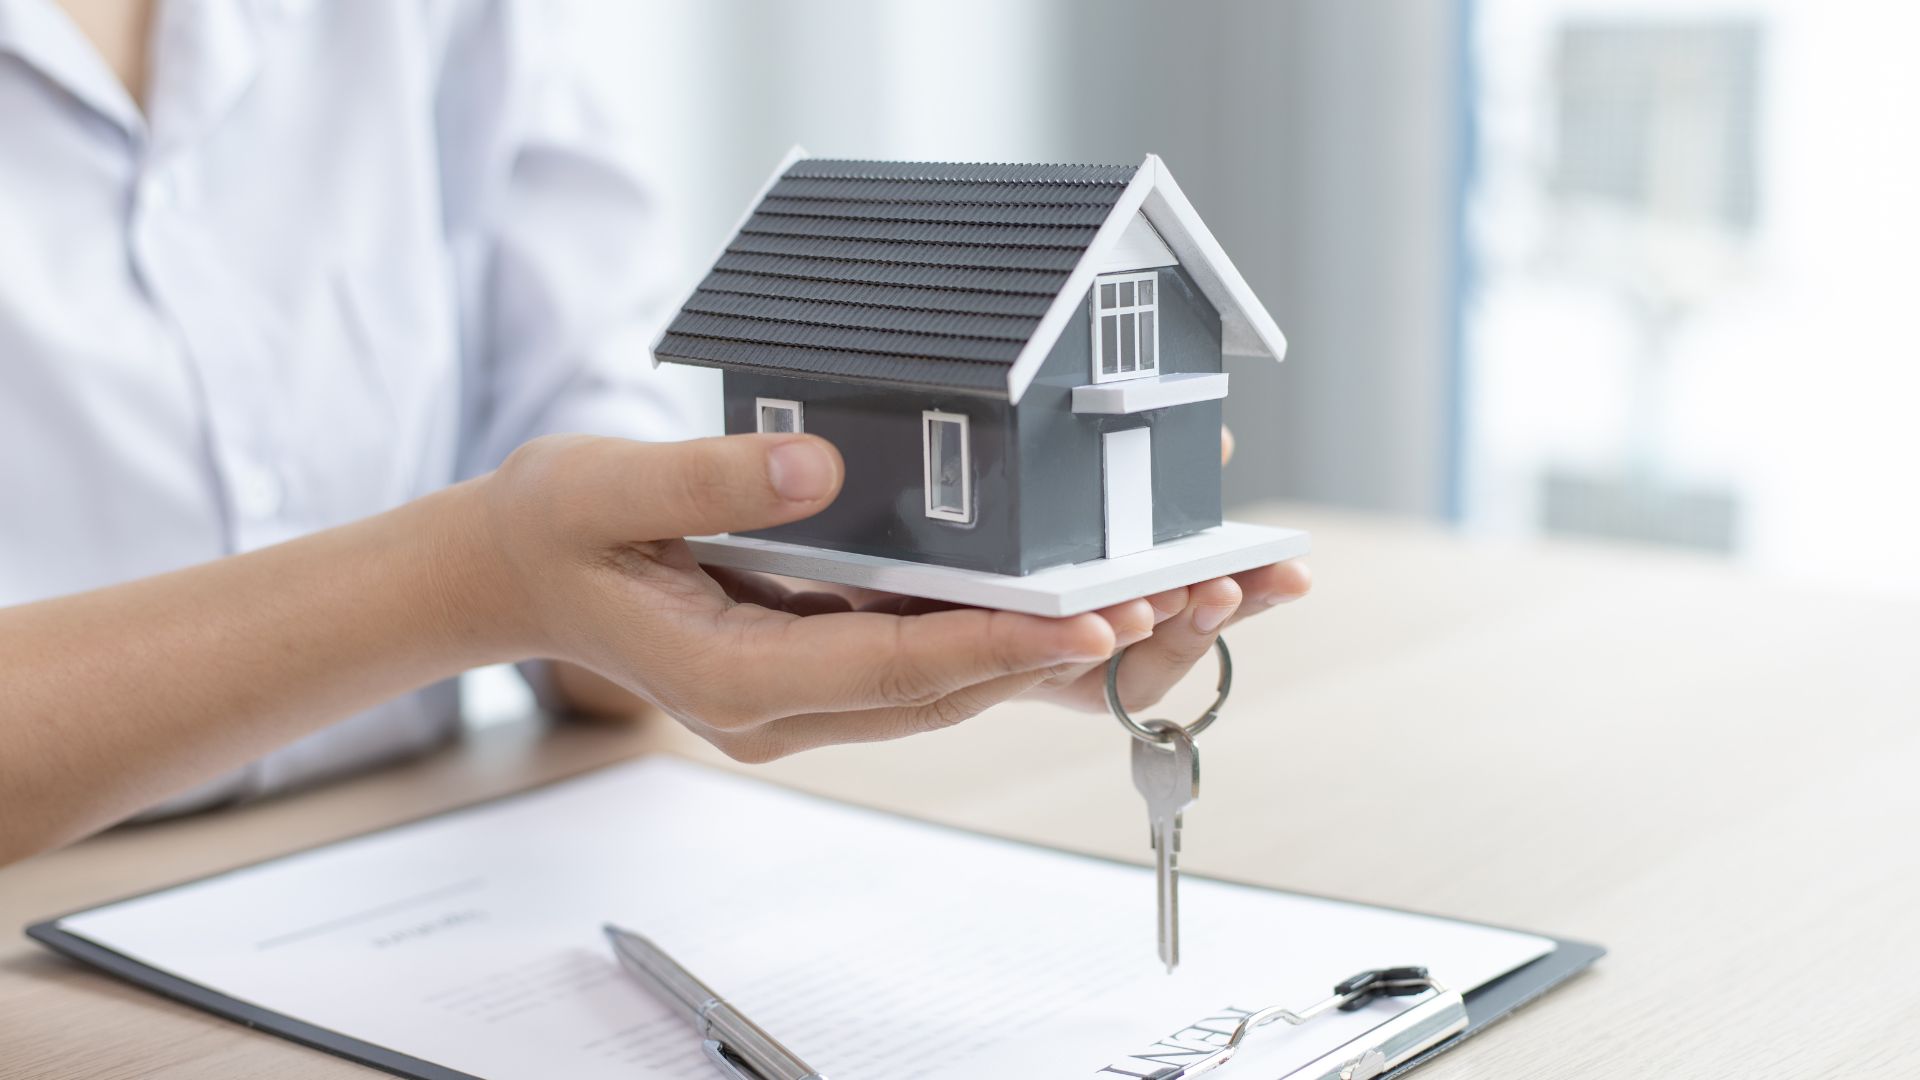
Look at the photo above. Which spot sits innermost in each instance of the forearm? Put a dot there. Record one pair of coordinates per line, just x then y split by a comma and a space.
112, 699
572, 549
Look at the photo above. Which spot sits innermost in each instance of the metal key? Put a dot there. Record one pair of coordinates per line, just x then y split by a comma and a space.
1168, 777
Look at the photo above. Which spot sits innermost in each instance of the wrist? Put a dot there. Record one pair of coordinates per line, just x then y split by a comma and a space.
472, 586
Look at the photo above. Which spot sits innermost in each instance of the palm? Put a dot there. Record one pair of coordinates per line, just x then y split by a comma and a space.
1172, 630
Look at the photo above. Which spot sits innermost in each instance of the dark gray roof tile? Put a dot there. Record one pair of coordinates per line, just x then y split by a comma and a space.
917, 191
902, 273
961, 171
864, 317
971, 378
976, 256
1032, 305
1069, 237
933, 277
846, 339
1083, 214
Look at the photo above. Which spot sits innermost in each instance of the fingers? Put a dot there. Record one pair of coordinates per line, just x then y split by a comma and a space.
767, 665
1171, 631
1155, 665
817, 602
1226, 444
892, 604
631, 491
1132, 622
1268, 587
793, 734
748, 588
1168, 633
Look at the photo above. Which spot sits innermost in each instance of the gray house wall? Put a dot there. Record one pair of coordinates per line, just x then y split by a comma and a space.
882, 505
1038, 498
1062, 497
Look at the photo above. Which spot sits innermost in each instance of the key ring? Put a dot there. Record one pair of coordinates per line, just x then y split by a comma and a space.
1160, 737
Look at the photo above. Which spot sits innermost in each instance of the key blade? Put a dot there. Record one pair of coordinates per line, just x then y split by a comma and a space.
1167, 776
1167, 878
1166, 885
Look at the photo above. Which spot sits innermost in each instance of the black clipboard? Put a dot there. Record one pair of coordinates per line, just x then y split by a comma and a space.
1485, 1005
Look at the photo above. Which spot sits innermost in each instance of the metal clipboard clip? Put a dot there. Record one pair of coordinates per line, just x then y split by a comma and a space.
1409, 1034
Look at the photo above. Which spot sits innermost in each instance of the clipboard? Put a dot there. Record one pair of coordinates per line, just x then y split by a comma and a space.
1483, 1005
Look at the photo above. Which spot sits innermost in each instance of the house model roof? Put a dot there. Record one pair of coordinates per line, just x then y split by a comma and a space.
958, 277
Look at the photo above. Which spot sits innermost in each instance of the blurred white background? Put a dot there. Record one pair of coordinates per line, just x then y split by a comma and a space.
1630, 270
1693, 234
1635, 270
1321, 141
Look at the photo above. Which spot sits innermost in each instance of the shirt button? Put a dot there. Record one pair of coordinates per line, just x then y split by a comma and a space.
257, 492
169, 186
160, 190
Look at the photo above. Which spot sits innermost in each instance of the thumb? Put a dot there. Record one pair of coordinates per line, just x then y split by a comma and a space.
730, 483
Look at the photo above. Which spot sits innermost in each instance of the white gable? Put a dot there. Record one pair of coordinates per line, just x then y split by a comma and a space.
1139, 248
1246, 328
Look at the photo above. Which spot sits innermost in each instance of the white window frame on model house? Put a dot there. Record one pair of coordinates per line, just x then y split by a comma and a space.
761, 406
1126, 324
931, 464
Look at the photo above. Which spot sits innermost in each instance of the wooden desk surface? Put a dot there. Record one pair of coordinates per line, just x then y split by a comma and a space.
1713, 776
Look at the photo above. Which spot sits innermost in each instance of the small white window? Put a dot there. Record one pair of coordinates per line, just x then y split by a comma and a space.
949, 465
1126, 327
776, 417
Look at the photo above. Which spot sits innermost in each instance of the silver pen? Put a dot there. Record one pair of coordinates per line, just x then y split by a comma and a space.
735, 1044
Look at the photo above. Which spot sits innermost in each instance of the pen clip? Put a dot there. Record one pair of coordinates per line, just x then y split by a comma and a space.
1439, 1017
727, 1061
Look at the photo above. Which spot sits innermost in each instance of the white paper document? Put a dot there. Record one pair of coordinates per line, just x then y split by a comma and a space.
875, 947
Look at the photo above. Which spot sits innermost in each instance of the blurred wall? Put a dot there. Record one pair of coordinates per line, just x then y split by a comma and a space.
1317, 137
1319, 140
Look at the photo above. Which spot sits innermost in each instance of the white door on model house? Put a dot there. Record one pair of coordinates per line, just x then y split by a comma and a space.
1126, 346
1127, 469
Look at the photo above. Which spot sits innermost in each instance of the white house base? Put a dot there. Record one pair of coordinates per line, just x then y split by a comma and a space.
1058, 591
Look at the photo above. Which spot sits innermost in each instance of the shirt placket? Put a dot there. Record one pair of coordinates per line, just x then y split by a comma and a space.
207, 56
228, 351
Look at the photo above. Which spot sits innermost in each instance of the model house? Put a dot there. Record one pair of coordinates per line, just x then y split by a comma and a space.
1021, 364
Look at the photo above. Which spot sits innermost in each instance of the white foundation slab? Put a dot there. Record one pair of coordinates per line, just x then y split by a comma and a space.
1058, 591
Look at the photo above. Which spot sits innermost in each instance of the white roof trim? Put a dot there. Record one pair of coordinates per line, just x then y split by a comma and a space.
796, 152
1140, 248
1066, 304
1246, 328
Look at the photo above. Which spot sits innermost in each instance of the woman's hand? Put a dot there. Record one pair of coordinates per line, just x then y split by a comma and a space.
1176, 629
113, 699
594, 572
1170, 632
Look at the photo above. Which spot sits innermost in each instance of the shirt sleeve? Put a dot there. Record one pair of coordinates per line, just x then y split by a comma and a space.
564, 254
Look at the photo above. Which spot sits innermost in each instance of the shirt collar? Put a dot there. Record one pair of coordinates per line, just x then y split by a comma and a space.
205, 53
203, 56
43, 37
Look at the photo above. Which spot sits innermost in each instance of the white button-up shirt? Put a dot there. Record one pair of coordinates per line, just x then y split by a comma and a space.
353, 251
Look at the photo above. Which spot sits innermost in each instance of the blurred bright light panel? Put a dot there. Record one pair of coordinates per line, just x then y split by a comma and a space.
1680, 306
